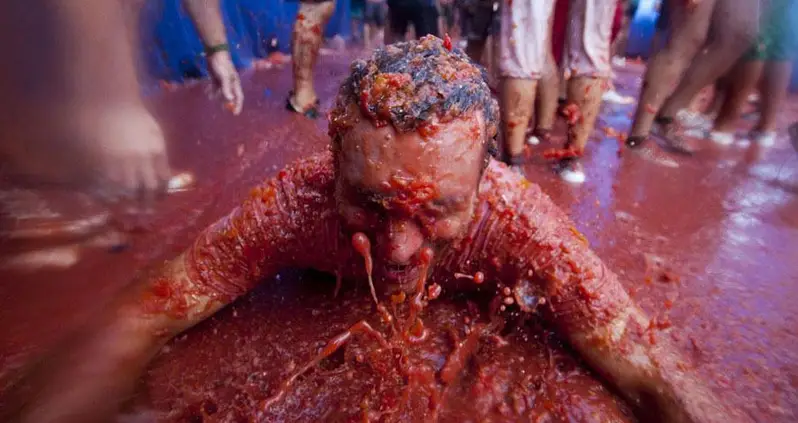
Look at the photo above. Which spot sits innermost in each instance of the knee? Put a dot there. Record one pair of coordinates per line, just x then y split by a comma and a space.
685, 45
739, 39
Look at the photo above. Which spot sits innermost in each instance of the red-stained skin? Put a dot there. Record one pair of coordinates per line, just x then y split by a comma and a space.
416, 204
405, 192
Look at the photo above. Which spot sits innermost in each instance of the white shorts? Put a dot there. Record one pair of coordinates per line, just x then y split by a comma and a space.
525, 40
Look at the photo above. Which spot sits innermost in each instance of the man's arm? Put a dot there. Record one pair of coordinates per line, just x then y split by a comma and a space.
88, 377
540, 247
207, 17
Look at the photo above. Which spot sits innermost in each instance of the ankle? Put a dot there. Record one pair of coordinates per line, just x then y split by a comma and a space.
303, 96
721, 126
763, 128
635, 141
663, 119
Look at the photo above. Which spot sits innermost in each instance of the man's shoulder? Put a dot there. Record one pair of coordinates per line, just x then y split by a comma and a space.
502, 183
316, 170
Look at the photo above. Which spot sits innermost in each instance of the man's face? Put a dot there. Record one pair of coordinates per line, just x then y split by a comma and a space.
409, 191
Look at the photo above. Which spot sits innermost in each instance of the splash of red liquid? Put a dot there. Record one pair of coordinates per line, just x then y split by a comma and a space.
417, 303
559, 154
413, 331
572, 113
478, 277
459, 357
362, 245
361, 327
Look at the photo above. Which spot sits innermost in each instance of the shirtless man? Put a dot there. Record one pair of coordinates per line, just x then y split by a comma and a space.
305, 45
526, 58
688, 62
410, 170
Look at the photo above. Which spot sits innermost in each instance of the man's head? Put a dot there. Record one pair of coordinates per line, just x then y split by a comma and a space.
411, 130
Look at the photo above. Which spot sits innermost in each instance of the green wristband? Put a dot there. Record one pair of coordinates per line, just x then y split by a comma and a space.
210, 51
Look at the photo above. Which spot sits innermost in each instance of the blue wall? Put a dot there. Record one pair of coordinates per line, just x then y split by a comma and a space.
171, 47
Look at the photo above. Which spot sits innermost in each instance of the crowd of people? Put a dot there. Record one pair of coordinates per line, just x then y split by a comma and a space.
555, 57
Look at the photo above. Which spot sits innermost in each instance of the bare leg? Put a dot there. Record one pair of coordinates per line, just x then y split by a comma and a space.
562, 87
548, 92
475, 49
793, 132
688, 33
367, 36
737, 24
476, 27
517, 102
586, 93
742, 82
619, 46
774, 87
306, 42
587, 59
719, 95
490, 59
658, 41
522, 58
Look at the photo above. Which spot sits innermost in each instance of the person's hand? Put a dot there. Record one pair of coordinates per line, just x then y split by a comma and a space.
127, 152
226, 80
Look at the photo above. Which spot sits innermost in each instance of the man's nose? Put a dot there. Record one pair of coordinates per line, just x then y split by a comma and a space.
402, 241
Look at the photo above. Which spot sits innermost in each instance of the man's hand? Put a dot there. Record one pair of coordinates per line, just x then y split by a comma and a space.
207, 17
226, 80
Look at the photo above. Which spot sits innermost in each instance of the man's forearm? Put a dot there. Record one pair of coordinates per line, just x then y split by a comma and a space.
588, 306
596, 315
207, 17
269, 231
